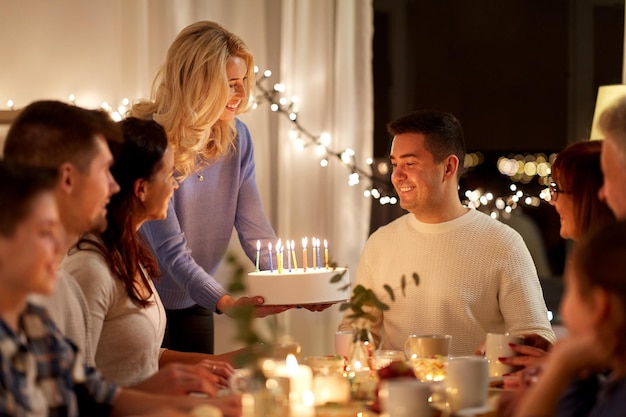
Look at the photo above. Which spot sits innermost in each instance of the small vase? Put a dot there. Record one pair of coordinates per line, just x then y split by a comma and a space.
359, 369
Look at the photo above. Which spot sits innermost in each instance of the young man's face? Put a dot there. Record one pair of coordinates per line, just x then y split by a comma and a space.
416, 177
94, 190
30, 257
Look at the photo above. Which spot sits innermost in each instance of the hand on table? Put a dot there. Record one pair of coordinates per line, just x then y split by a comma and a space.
223, 370
180, 379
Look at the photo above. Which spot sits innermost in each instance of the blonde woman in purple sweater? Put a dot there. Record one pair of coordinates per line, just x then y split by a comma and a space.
206, 80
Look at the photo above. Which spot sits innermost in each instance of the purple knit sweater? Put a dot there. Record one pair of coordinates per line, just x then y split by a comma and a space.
192, 241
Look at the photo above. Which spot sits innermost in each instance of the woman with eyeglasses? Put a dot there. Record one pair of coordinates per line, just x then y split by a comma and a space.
576, 180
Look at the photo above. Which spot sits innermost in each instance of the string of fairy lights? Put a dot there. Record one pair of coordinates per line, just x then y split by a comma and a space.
519, 168
379, 189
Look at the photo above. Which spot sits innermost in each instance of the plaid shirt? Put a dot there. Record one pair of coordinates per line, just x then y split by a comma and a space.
43, 374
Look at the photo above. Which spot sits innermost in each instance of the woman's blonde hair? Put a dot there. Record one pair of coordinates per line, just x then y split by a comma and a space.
190, 91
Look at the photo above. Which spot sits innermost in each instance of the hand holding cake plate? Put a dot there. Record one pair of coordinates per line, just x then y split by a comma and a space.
260, 308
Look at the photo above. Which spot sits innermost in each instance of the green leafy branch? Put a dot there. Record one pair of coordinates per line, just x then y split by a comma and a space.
363, 299
244, 317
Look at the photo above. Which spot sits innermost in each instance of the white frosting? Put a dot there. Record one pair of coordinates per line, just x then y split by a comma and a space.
300, 287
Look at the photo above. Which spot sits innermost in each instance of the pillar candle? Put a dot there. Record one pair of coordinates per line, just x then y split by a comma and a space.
300, 379
314, 248
331, 389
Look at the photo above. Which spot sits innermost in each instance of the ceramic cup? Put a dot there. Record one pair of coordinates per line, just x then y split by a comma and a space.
404, 397
467, 382
343, 339
497, 346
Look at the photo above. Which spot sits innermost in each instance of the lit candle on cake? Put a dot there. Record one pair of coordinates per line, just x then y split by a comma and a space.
279, 260
269, 247
258, 254
288, 255
314, 247
293, 255
304, 260
326, 253
319, 254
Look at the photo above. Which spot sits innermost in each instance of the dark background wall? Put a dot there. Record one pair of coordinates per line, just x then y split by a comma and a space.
521, 76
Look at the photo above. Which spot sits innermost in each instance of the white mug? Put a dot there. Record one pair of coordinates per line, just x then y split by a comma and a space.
467, 382
343, 339
404, 397
497, 346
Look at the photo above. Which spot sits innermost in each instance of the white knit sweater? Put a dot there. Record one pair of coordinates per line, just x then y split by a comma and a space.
475, 276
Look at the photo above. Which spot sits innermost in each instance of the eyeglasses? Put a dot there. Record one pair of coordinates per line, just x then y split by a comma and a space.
555, 191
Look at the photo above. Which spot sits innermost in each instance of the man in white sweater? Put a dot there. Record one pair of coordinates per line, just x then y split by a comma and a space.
476, 275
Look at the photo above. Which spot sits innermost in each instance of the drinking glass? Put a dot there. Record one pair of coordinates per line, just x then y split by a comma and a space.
428, 354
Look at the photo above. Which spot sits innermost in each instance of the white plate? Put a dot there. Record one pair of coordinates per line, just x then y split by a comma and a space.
470, 412
467, 412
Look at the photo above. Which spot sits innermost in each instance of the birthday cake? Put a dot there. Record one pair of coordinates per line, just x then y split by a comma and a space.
298, 287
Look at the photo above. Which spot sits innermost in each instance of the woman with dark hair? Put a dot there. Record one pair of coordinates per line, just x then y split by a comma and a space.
576, 180
115, 270
575, 381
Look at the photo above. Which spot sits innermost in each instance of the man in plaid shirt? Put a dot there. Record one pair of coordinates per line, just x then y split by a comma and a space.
42, 373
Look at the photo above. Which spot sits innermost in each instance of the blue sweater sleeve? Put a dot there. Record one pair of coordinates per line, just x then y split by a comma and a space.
168, 242
250, 220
